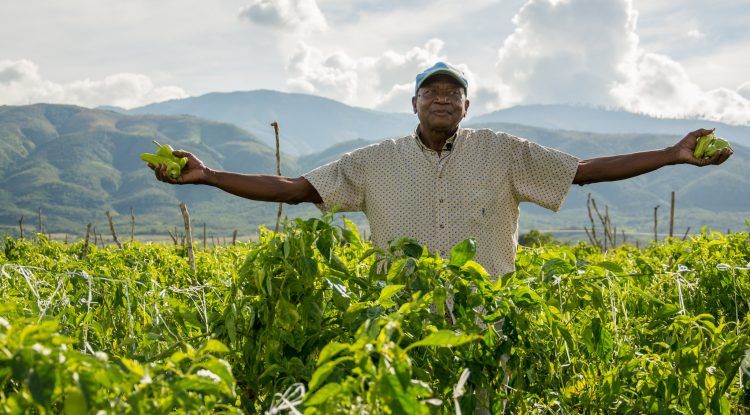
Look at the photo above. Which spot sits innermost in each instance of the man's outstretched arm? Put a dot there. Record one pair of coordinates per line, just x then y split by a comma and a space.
261, 187
611, 168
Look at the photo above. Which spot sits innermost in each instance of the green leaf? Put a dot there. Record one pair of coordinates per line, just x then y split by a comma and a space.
340, 295
463, 252
557, 266
387, 292
214, 346
411, 248
322, 372
308, 267
231, 325
42, 385
666, 311
564, 332
286, 314
220, 368
331, 350
325, 393
524, 296
444, 338
75, 403
178, 357
351, 233
610, 266
697, 405
132, 366
474, 267
597, 339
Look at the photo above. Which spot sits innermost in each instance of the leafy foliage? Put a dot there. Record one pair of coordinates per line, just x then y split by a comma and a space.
317, 319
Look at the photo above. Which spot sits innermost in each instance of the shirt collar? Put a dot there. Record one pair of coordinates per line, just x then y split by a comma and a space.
447, 146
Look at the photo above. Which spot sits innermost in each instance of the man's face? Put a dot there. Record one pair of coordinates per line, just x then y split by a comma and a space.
440, 103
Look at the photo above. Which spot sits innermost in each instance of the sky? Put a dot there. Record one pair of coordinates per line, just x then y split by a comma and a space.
666, 58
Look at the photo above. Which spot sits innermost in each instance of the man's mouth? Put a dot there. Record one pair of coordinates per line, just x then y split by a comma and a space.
441, 112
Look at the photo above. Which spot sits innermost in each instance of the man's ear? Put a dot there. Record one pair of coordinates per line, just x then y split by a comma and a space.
466, 108
414, 103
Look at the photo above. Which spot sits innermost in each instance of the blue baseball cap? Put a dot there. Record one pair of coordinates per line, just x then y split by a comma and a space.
441, 68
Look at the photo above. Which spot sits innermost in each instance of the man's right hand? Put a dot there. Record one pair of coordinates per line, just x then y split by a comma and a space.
194, 172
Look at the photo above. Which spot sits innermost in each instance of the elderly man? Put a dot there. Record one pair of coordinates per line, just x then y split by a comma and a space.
443, 183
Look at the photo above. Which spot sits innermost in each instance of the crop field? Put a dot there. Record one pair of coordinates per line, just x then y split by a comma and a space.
314, 320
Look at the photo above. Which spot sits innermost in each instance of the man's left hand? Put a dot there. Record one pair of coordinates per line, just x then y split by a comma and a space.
686, 146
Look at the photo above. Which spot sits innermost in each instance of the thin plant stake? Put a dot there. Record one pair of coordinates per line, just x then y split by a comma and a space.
275, 126
188, 235
112, 228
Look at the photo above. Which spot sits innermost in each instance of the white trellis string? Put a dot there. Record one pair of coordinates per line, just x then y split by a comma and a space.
726, 267
288, 401
458, 390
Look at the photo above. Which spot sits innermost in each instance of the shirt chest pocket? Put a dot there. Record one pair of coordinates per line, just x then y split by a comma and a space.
472, 200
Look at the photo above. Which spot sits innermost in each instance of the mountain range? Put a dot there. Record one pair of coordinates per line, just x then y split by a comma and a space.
310, 124
75, 163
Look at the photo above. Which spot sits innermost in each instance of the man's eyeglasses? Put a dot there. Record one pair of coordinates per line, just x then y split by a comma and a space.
452, 95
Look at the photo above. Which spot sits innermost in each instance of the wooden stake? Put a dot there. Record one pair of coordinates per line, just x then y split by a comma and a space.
592, 237
671, 217
188, 235
234, 237
275, 126
112, 228
204, 236
656, 224
174, 238
686, 233
40, 220
132, 225
20, 225
86, 242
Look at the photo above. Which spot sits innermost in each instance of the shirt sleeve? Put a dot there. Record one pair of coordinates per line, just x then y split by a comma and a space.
340, 183
542, 175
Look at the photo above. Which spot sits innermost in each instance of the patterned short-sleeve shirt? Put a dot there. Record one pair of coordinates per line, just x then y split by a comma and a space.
471, 189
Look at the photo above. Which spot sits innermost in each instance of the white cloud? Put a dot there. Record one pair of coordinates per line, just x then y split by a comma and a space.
301, 15
21, 83
588, 51
660, 86
384, 82
566, 51
744, 90
695, 34
656, 84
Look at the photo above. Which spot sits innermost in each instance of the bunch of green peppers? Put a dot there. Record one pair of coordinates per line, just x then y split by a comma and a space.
708, 145
164, 156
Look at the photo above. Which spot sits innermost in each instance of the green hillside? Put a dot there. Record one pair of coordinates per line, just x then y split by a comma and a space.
75, 164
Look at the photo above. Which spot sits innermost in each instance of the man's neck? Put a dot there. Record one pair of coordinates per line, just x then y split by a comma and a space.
434, 140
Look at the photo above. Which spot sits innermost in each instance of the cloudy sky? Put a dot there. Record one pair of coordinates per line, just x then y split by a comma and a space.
670, 58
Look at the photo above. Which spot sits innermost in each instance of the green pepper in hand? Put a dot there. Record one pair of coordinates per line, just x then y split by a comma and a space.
164, 155
173, 169
709, 144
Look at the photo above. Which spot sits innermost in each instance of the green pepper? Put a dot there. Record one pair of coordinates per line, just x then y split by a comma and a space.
717, 145
168, 152
709, 144
173, 169
703, 142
